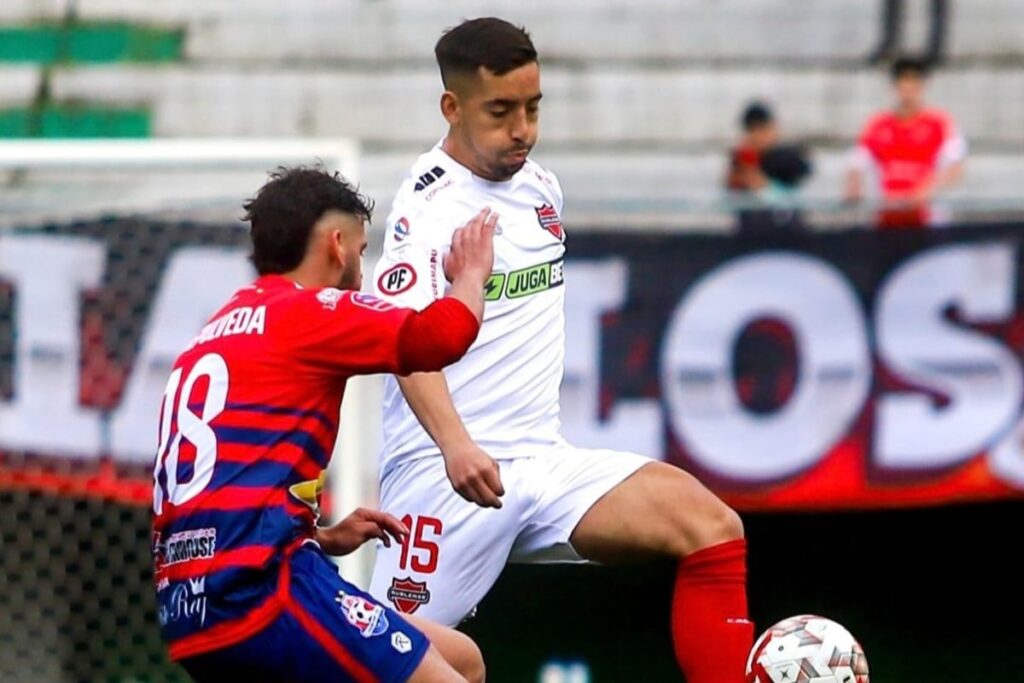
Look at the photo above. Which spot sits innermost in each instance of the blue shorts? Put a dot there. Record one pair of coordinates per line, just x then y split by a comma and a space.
329, 631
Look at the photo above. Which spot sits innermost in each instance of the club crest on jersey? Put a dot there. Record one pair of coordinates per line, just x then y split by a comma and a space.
407, 595
397, 279
550, 221
368, 618
401, 229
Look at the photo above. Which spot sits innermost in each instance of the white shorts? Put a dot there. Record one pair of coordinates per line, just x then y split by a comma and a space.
457, 549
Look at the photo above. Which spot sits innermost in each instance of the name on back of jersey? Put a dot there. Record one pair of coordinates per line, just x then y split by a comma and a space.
241, 320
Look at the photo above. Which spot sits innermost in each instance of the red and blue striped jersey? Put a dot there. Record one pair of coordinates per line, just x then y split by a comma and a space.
247, 426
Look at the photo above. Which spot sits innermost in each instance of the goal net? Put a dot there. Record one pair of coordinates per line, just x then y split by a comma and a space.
112, 255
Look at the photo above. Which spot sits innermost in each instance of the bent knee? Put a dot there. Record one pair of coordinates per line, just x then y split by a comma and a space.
711, 523
716, 524
725, 525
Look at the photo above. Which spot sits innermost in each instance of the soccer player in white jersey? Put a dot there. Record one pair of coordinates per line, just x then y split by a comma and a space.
473, 460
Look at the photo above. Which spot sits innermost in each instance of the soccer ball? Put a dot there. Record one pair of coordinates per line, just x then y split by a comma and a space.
807, 649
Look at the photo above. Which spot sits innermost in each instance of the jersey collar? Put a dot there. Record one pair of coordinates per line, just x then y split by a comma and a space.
275, 281
466, 172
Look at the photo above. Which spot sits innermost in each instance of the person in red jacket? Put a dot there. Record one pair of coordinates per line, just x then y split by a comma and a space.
915, 152
245, 589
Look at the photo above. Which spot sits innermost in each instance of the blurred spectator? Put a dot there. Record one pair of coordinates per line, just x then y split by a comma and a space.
892, 12
764, 172
914, 152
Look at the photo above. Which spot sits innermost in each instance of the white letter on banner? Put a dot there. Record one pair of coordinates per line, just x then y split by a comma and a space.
197, 282
978, 376
49, 273
635, 425
834, 366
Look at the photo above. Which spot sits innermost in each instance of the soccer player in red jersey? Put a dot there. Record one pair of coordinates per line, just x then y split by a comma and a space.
250, 414
915, 152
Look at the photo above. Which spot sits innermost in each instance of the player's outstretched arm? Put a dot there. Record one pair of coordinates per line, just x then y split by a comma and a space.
473, 473
467, 266
441, 333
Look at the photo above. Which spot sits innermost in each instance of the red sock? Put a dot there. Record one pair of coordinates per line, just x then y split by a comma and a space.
710, 630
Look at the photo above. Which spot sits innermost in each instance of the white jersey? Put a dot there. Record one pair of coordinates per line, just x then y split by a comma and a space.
506, 387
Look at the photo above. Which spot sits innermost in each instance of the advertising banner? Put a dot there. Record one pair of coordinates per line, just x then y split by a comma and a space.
793, 371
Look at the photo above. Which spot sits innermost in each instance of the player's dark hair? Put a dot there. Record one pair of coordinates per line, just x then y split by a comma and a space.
283, 212
756, 114
487, 42
909, 66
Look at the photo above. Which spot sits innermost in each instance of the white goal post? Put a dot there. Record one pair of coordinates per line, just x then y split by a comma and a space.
205, 179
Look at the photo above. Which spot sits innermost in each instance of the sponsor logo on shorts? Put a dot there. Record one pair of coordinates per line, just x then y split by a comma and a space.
401, 642
407, 595
397, 279
368, 618
185, 546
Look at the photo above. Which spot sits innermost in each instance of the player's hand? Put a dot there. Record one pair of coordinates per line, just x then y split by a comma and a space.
472, 251
475, 475
361, 526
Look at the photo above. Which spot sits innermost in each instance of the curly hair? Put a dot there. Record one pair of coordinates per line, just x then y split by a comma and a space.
285, 209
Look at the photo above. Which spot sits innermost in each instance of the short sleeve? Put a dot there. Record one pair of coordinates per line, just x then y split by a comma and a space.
954, 147
869, 141
559, 197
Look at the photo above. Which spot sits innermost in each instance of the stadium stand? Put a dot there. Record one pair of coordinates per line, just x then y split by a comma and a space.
637, 107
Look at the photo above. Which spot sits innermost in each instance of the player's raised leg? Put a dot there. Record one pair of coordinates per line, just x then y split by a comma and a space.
661, 509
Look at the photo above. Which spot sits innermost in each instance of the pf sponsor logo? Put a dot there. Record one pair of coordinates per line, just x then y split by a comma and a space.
550, 221
401, 229
397, 279
368, 618
407, 595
